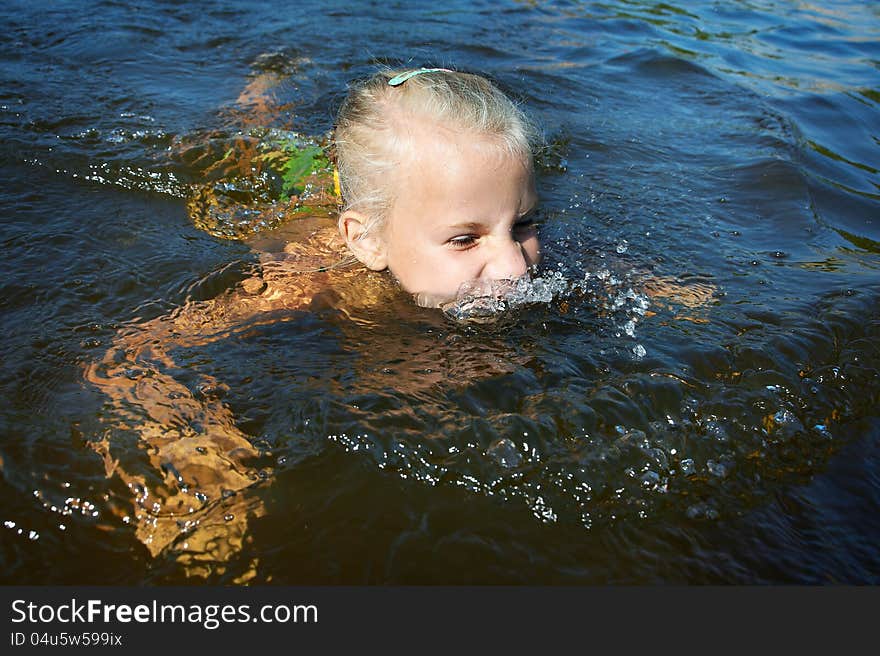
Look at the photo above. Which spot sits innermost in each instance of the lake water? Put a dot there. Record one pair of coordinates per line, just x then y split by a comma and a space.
600, 437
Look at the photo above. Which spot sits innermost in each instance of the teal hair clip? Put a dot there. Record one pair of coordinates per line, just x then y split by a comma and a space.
397, 80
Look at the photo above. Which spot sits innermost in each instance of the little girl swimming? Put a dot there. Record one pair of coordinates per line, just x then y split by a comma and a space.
436, 186
434, 180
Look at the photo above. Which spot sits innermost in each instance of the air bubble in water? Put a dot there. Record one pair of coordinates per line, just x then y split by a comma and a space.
717, 468
505, 453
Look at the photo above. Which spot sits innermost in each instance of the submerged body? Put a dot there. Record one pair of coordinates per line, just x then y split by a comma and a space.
192, 461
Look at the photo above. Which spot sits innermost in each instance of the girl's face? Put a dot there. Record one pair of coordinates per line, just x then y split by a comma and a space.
462, 212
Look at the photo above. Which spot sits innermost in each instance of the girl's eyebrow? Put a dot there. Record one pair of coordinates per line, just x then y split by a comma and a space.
476, 225
466, 225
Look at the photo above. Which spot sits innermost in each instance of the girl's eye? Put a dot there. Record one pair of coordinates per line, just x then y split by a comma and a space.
463, 241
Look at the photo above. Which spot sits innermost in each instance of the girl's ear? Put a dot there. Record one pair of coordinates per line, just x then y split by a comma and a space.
366, 244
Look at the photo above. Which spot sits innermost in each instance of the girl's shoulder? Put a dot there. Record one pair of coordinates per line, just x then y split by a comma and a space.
307, 259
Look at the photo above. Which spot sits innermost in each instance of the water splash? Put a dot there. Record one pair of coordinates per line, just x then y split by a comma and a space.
485, 301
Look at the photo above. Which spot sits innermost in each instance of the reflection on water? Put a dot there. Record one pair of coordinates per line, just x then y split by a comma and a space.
685, 391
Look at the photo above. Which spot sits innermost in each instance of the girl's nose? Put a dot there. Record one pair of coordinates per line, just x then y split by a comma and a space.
508, 260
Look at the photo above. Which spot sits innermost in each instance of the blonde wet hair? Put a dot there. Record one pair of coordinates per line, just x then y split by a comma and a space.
368, 141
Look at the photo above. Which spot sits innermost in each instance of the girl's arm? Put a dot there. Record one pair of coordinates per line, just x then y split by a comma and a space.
189, 465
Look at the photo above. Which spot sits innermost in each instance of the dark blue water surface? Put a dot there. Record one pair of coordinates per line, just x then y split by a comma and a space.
734, 145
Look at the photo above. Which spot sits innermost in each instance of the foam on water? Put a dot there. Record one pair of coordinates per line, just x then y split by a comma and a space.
484, 301
616, 295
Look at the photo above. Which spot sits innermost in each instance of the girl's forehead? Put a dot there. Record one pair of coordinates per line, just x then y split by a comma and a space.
443, 178
443, 165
